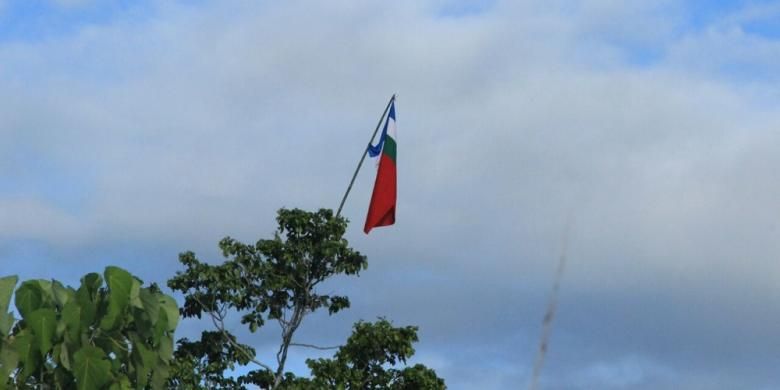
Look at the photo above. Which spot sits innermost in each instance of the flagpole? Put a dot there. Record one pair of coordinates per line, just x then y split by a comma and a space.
363, 157
552, 305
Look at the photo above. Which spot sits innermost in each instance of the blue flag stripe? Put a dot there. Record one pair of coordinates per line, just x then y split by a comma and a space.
375, 150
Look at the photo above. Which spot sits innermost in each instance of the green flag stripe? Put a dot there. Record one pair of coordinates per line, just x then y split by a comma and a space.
389, 148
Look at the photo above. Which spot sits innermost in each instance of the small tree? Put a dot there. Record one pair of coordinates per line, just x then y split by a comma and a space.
273, 279
118, 335
367, 360
277, 280
113, 336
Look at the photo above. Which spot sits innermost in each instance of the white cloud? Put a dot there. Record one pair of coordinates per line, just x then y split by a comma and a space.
30, 219
201, 121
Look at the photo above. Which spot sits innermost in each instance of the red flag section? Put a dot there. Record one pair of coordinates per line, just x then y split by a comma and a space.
381, 211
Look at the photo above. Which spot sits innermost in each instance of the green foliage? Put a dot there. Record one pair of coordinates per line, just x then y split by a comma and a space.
91, 368
7, 285
120, 283
117, 336
29, 297
202, 363
367, 360
272, 276
41, 323
274, 279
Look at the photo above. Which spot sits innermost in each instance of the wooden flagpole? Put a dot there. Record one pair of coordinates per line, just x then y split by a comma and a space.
363, 157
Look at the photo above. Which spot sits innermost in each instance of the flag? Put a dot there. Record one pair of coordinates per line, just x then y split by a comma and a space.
381, 211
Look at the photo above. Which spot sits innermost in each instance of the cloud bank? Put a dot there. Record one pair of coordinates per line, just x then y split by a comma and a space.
147, 132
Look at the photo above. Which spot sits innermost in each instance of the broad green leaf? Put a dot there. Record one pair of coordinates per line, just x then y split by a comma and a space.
171, 310
135, 292
116, 364
161, 327
121, 383
9, 359
143, 359
61, 293
120, 284
91, 368
25, 346
42, 323
46, 290
92, 282
159, 376
65, 356
166, 348
87, 306
142, 325
71, 317
6, 323
60, 331
29, 298
7, 285
151, 304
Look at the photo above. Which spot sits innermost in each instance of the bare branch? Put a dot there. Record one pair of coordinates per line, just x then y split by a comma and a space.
295, 321
314, 346
218, 321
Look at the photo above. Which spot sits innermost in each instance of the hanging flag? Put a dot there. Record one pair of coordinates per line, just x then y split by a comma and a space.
381, 211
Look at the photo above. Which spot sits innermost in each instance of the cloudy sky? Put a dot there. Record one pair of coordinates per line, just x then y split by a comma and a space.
133, 130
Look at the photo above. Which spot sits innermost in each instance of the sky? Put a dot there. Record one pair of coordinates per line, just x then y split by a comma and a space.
134, 130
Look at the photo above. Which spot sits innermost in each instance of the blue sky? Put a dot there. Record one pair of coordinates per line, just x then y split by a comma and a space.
39, 20
133, 131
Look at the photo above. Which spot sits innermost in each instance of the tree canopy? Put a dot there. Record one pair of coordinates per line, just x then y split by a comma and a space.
113, 333
277, 280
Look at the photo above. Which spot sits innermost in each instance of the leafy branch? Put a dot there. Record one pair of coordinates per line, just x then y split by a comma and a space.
272, 280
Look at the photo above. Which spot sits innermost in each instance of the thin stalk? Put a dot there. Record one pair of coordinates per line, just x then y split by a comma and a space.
363, 156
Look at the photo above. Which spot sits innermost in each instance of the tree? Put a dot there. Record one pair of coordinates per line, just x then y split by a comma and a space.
273, 279
113, 336
366, 361
113, 333
276, 280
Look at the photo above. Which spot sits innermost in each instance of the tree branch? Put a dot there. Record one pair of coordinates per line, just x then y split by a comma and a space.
287, 334
219, 323
314, 346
